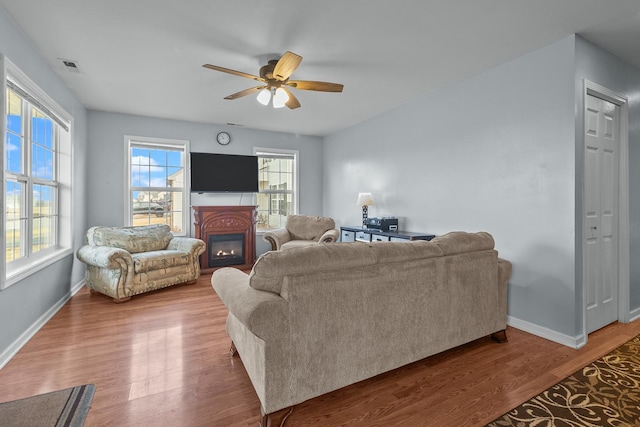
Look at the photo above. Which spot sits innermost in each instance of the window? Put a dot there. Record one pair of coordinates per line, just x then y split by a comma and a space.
157, 183
36, 177
278, 187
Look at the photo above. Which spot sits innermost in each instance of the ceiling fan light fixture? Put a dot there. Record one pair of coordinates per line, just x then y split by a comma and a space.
264, 96
280, 98
275, 88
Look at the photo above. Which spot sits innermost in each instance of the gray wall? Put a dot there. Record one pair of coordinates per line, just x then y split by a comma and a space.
107, 159
23, 304
499, 152
605, 69
493, 153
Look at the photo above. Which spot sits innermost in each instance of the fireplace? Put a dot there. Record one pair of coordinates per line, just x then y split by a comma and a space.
230, 235
226, 249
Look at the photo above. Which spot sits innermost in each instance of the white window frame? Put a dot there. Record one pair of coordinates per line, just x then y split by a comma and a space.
17, 270
295, 192
159, 143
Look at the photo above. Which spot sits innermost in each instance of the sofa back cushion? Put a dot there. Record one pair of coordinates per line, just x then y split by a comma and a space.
386, 252
132, 239
457, 242
305, 227
272, 267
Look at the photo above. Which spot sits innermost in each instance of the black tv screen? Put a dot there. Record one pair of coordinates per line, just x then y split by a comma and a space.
212, 172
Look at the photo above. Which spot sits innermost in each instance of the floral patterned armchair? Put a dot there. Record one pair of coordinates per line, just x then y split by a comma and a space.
126, 261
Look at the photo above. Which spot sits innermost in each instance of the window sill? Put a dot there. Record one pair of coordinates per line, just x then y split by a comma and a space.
25, 270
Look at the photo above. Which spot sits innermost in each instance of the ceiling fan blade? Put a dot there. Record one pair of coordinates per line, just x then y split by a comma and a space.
234, 72
286, 66
319, 86
245, 92
292, 102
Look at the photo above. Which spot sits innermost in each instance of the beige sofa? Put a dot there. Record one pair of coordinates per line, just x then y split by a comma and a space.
302, 230
318, 318
126, 261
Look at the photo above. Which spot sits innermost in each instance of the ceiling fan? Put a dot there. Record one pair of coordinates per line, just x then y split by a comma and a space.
275, 76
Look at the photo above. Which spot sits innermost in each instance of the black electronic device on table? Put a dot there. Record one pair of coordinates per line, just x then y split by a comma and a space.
386, 223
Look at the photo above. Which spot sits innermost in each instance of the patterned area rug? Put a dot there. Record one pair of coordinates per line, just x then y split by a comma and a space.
68, 407
604, 393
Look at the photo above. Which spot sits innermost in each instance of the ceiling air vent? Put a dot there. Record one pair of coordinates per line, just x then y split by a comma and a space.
70, 65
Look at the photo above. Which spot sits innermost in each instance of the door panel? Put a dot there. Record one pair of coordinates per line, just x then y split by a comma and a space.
602, 123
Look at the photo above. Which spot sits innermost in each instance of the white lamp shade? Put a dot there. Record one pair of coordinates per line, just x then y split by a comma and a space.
364, 199
264, 96
280, 98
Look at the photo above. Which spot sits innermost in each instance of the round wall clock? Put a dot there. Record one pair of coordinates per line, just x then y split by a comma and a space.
223, 138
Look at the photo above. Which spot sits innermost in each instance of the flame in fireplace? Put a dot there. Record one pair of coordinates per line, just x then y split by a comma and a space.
225, 253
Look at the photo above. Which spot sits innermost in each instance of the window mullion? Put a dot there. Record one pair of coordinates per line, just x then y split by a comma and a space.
27, 156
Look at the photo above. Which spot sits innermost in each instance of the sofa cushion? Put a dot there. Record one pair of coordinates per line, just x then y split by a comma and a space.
404, 251
305, 227
272, 267
457, 242
131, 239
155, 260
298, 244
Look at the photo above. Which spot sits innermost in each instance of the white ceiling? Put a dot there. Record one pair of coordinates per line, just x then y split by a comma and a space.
145, 57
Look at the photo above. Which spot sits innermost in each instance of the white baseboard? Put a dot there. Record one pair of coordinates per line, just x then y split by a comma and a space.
634, 315
24, 338
549, 334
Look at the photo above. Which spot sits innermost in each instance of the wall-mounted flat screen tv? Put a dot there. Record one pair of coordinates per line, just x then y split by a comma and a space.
211, 173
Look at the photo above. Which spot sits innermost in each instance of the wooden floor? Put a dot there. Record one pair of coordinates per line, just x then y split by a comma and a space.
161, 360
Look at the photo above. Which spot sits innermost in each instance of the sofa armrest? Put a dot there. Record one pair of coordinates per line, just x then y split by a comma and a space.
104, 256
264, 313
504, 271
194, 247
277, 238
330, 236
504, 274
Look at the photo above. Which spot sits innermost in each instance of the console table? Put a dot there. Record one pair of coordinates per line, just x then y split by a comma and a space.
359, 234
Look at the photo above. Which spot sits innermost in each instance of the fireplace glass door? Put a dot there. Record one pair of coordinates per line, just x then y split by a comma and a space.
226, 249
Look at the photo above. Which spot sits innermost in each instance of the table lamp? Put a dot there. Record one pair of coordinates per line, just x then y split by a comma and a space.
364, 200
